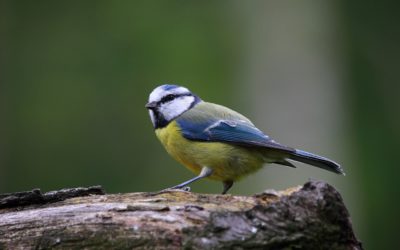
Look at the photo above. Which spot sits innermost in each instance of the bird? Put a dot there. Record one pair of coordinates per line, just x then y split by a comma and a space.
216, 142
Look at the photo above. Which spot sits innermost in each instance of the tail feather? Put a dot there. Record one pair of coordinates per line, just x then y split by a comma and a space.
317, 161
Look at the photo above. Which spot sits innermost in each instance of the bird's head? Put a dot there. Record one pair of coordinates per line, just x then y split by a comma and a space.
166, 102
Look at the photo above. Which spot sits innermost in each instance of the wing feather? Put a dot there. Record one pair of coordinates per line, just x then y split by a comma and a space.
212, 122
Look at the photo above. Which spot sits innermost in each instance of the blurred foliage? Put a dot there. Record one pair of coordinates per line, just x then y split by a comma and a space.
78, 76
373, 91
75, 76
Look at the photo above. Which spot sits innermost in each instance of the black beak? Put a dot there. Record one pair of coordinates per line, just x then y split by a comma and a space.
151, 105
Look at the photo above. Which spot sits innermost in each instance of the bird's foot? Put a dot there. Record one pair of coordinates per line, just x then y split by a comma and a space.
181, 188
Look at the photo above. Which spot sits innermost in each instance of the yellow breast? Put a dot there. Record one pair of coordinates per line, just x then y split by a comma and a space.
229, 162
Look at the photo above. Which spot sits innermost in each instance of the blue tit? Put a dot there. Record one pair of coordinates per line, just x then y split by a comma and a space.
216, 142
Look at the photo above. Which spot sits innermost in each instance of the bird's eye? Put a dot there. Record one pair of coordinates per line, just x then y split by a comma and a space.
168, 98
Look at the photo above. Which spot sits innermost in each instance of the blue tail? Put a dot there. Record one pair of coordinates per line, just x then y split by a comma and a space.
317, 161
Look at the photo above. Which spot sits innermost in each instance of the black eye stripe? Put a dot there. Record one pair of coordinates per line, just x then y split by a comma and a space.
168, 98
171, 97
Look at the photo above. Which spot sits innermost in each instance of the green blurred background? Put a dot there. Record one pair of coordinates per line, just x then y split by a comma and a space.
319, 75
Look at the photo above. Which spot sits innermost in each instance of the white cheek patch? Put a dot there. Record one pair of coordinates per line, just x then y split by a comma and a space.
173, 109
153, 119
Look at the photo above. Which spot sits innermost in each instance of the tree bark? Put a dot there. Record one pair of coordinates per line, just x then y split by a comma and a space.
309, 217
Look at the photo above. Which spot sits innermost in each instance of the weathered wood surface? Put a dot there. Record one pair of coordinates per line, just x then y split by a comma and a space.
309, 217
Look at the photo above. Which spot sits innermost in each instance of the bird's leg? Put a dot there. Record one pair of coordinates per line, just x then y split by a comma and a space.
205, 172
227, 186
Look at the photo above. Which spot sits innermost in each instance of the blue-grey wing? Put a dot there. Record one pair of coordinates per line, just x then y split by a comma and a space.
211, 122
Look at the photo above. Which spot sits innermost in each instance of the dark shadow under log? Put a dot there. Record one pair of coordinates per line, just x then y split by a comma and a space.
309, 217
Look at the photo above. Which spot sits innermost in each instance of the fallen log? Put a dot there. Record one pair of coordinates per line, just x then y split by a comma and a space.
312, 216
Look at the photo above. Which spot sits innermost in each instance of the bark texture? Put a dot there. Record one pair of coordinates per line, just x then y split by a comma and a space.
309, 217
